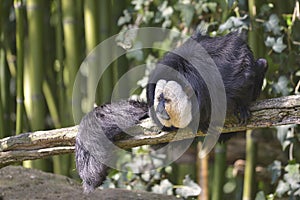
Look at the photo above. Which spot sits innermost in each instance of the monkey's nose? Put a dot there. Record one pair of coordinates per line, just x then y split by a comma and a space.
161, 111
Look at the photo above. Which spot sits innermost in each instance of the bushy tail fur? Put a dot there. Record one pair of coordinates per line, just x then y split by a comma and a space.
96, 132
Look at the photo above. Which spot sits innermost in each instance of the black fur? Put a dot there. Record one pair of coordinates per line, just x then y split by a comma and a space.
242, 76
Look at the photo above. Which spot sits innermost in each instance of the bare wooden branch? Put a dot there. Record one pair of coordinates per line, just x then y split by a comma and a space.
265, 113
40, 139
21, 155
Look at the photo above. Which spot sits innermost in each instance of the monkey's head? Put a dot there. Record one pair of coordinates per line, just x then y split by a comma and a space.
172, 105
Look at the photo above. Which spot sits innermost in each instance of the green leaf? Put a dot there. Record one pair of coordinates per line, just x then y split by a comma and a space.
143, 82
163, 6
282, 188
260, 196
168, 169
148, 16
124, 19
187, 12
126, 37
136, 52
189, 188
233, 22
275, 169
282, 131
270, 41
158, 17
271, 196
229, 187
165, 187
279, 46
138, 4
297, 192
272, 25
289, 20
146, 176
130, 175
167, 23
292, 180
292, 169
212, 6
281, 87
166, 11
226, 26
293, 176
266, 8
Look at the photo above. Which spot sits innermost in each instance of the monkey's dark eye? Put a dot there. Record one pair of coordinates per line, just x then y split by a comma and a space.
160, 97
167, 100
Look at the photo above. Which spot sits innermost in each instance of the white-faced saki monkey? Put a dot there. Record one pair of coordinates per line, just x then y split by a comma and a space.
176, 94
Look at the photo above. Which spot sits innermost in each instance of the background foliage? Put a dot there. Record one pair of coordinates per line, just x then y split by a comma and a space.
42, 44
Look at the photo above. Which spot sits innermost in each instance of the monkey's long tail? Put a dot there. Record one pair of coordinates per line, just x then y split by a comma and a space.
97, 130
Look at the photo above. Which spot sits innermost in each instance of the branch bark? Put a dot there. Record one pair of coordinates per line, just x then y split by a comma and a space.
35, 145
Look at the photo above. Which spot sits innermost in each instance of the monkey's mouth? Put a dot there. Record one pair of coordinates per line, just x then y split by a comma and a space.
163, 115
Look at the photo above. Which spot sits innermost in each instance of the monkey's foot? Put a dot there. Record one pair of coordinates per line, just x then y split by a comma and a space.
243, 114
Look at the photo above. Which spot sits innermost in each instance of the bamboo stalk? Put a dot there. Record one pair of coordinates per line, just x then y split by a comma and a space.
34, 102
252, 9
202, 174
251, 148
59, 63
91, 24
72, 52
219, 171
239, 187
70, 17
5, 76
51, 104
57, 105
255, 34
58, 161
2, 129
49, 86
1, 17
251, 155
225, 10
5, 94
120, 66
106, 81
252, 37
20, 15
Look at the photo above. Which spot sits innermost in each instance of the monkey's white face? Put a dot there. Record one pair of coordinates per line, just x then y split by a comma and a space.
172, 105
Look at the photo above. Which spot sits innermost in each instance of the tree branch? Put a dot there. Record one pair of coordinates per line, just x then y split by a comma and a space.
265, 113
7, 157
